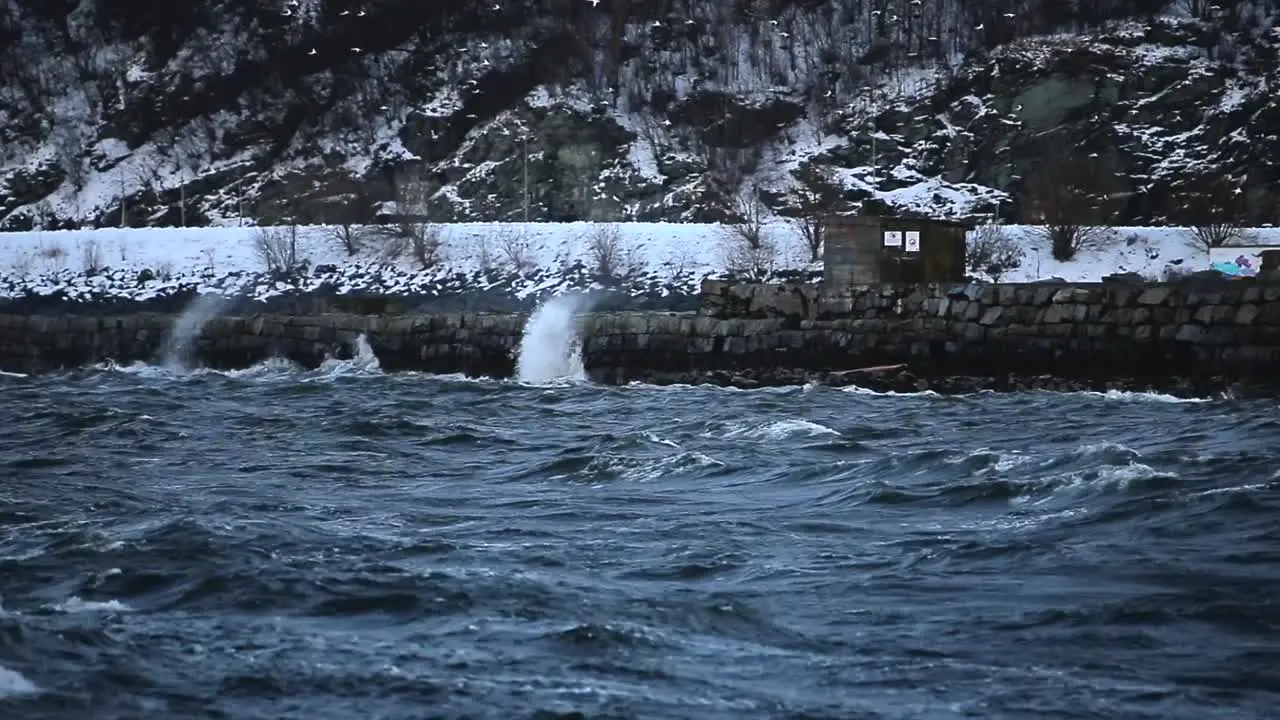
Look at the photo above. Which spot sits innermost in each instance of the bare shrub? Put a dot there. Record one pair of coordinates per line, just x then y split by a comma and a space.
52, 255
21, 267
44, 216
391, 244
515, 248
993, 252
485, 257
814, 202
1218, 219
680, 260
68, 148
424, 243
746, 246
410, 237
609, 254
1058, 201
813, 230
90, 255
1218, 234
411, 232
348, 234
277, 248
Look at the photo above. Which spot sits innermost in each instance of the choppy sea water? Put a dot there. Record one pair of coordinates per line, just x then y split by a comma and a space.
342, 543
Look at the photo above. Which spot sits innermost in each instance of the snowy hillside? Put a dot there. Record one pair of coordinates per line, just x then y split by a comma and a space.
673, 110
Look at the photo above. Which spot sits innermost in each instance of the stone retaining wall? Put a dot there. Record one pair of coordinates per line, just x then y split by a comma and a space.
1149, 333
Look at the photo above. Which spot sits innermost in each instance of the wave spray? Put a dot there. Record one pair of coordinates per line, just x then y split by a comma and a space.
550, 348
177, 347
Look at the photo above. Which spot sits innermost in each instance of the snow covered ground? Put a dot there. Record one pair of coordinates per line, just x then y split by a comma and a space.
525, 260
1153, 252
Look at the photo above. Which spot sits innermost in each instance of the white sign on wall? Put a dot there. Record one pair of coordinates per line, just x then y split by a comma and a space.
893, 238
913, 241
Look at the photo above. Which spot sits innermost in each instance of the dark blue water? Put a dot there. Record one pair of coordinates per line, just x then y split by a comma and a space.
339, 544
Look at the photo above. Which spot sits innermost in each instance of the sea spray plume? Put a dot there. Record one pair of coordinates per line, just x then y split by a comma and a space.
177, 347
363, 361
550, 348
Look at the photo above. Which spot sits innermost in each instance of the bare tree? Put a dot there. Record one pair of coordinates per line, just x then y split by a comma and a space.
277, 248
90, 256
610, 256
992, 251
1058, 199
814, 201
346, 233
411, 232
1218, 216
515, 248
68, 147
747, 247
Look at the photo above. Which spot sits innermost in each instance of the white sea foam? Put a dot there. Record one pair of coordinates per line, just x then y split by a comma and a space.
13, 683
363, 362
781, 430
1133, 396
74, 604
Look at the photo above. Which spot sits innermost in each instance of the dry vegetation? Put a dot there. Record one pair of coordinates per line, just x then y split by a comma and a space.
610, 256
1217, 217
992, 251
277, 248
746, 247
1062, 200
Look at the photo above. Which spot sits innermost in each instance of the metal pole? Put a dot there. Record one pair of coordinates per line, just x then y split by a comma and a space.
122, 208
524, 140
182, 202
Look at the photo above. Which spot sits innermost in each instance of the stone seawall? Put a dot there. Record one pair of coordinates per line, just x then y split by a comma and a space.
1200, 329
1169, 337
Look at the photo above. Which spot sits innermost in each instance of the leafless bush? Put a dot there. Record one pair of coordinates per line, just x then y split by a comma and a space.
424, 243
680, 260
68, 146
515, 248
1058, 200
277, 247
1218, 218
813, 229
411, 233
21, 267
348, 234
90, 255
1217, 234
993, 252
814, 202
391, 244
746, 246
485, 257
52, 255
609, 254
44, 216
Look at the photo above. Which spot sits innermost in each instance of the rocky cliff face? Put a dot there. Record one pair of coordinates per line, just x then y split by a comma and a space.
308, 111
